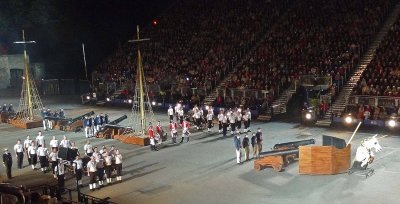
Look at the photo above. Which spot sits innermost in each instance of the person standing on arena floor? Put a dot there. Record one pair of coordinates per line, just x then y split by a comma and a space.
7, 162
86, 125
253, 145
245, 119
245, 145
40, 140
174, 133
170, 112
92, 170
100, 169
118, 165
60, 174
160, 132
43, 158
150, 130
53, 157
108, 167
239, 119
43, 114
19, 153
177, 108
181, 115
88, 148
32, 150
224, 124
220, 118
232, 121
54, 143
259, 140
91, 130
96, 125
185, 130
78, 166
209, 120
238, 147
65, 142
27, 144
248, 112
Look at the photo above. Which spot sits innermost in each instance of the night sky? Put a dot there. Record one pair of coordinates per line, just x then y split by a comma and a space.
60, 27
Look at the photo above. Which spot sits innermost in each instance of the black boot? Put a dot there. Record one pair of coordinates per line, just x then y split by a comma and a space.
152, 147
187, 139
182, 140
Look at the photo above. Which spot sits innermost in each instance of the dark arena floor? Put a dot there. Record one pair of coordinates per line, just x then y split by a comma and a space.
204, 170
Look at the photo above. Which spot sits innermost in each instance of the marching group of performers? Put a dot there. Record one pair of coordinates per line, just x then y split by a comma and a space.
93, 124
100, 163
230, 119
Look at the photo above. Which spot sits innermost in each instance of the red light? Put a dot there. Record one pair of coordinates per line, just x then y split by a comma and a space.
155, 22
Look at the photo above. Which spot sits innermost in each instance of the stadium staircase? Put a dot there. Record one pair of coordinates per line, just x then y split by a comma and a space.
277, 107
340, 104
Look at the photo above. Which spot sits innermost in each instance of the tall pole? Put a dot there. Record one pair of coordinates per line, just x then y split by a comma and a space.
140, 77
84, 59
27, 81
140, 73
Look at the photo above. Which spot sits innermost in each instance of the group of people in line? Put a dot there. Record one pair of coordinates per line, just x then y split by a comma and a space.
100, 163
93, 124
243, 145
46, 113
9, 109
228, 120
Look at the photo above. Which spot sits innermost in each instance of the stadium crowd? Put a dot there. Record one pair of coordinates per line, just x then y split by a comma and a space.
382, 76
194, 44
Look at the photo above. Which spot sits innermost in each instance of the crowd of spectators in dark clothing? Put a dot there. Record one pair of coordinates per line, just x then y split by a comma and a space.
382, 76
316, 38
194, 46
195, 42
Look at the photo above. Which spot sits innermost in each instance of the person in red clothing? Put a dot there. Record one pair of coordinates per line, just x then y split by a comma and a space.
185, 130
160, 137
174, 133
150, 130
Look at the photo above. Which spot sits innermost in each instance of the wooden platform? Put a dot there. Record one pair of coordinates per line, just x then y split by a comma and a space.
323, 160
132, 139
27, 124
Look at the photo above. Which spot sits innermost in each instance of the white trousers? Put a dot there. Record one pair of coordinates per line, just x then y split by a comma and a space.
238, 156
152, 141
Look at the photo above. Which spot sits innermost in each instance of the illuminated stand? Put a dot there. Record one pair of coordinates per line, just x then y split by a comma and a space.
142, 113
30, 104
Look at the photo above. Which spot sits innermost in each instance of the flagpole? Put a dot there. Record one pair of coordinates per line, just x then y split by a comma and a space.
84, 59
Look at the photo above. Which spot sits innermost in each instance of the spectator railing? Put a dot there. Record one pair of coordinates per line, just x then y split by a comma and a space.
384, 101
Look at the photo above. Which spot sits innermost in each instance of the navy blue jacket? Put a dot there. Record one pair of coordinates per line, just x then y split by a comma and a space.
236, 141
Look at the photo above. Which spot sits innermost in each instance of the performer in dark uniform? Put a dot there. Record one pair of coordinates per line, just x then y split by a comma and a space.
7, 162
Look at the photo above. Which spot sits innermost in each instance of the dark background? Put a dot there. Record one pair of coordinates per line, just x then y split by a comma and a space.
61, 26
